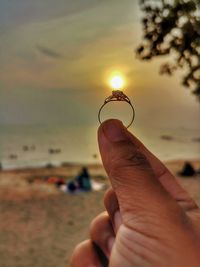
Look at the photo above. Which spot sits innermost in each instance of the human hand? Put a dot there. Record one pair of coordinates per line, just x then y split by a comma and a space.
150, 219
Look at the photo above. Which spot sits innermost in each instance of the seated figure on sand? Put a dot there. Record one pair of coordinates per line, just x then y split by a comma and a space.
82, 182
187, 170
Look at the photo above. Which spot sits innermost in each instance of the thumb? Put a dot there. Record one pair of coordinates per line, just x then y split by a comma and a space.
138, 191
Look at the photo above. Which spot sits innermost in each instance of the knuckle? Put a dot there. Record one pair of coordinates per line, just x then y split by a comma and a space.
76, 254
96, 223
93, 226
127, 156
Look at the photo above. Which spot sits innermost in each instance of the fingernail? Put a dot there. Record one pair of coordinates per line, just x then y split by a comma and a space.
117, 220
114, 130
111, 242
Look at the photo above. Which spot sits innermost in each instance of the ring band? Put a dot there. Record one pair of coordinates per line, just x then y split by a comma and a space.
117, 96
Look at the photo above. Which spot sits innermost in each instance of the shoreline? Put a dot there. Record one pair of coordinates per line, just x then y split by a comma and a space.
69, 165
25, 179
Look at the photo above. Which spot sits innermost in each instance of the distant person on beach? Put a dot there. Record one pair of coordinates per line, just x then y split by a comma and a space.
81, 183
149, 220
71, 186
187, 170
83, 180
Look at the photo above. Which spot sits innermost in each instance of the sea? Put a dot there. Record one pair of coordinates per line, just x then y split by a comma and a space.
25, 146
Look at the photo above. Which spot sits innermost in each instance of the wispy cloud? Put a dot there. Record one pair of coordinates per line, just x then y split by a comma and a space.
20, 12
48, 52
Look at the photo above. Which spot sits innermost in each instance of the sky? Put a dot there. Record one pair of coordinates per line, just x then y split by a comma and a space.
55, 58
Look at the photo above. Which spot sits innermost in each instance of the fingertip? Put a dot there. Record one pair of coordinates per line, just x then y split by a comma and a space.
101, 230
107, 124
97, 223
84, 255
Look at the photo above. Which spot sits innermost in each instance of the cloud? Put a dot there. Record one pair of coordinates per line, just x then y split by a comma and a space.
20, 12
48, 52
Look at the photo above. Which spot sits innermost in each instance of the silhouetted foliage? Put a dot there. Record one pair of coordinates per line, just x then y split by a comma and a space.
172, 27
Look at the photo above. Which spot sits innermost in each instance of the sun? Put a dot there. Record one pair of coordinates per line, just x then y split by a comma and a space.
117, 82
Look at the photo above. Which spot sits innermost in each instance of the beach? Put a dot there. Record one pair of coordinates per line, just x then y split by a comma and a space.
41, 225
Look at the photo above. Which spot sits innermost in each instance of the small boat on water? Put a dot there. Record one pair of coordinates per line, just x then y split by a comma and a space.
196, 139
167, 137
28, 148
54, 151
13, 156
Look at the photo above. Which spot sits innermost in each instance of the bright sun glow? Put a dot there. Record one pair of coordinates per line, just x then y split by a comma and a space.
117, 82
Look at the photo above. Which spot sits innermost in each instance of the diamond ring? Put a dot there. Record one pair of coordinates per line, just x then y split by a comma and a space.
117, 95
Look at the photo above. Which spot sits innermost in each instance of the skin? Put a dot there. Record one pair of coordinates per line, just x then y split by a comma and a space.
150, 221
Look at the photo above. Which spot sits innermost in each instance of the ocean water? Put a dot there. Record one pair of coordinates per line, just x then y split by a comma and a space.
28, 146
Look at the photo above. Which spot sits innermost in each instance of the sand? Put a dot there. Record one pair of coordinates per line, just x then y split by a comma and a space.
39, 225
